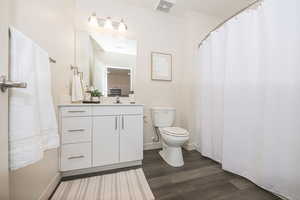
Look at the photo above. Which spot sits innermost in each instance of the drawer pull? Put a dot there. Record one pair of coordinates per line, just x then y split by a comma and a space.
116, 123
76, 111
77, 130
75, 157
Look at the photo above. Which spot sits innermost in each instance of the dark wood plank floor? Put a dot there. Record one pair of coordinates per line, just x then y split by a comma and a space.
199, 179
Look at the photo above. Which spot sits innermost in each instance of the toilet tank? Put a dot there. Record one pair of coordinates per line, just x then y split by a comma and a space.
163, 116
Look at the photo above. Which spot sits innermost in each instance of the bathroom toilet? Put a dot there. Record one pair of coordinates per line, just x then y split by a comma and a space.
172, 137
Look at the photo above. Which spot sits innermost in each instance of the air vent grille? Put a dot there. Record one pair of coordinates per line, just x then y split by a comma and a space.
165, 5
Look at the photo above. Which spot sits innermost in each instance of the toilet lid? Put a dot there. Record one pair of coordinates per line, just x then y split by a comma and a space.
176, 131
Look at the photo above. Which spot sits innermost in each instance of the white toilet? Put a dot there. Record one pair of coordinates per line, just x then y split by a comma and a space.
172, 137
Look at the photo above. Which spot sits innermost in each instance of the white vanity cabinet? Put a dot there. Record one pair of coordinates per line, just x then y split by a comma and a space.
100, 136
117, 139
106, 140
130, 139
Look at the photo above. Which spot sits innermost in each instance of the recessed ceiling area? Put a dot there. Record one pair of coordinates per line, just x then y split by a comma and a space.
112, 44
219, 8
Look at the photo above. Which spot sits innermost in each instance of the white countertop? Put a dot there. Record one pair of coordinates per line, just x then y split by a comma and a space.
99, 104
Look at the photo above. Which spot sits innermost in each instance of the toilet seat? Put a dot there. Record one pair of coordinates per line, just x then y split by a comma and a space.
175, 131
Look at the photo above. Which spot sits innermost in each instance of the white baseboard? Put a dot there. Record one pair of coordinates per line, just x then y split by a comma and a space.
51, 187
189, 146
150, 146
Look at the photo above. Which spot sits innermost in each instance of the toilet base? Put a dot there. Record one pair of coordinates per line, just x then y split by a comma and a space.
172, 156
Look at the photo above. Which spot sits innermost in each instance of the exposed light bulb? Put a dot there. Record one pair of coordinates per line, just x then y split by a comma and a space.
122, 26
108, 23
93, 21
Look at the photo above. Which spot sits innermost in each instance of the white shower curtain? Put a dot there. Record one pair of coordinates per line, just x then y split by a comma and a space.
250, 96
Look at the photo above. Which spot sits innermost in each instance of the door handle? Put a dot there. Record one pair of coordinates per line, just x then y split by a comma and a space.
123, 122
116, 123
5, 84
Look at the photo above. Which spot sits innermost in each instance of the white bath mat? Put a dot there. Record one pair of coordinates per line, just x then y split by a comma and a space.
127, 185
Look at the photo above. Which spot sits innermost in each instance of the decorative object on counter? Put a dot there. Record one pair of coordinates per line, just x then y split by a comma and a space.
131, 97
118, 101
107, 23
87, 94
95, 95
78, 92
161, 64
77, 89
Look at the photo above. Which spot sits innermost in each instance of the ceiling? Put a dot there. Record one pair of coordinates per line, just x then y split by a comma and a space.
220, 8
113, 44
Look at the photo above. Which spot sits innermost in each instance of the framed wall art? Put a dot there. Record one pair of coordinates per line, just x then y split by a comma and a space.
161, 66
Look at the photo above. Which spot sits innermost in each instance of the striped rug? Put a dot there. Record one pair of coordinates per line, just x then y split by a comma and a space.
126, 185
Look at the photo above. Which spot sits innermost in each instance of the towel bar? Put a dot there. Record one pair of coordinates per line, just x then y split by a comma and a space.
52, 60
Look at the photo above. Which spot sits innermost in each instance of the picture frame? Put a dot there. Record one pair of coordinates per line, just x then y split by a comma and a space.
161, 66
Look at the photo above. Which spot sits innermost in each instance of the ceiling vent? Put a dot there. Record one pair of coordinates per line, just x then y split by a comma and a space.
165, 5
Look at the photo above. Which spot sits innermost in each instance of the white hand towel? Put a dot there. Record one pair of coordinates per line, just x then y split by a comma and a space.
48, 121
77, 90
32, 123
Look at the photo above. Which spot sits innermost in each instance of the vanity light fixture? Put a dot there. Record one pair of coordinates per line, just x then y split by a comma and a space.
107, 23
93, 20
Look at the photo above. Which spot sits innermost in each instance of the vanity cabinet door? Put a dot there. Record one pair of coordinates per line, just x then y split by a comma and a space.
131, 138
105, 140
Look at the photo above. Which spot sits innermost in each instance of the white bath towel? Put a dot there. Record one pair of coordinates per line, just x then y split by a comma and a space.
32, 120
77, 88
48, 121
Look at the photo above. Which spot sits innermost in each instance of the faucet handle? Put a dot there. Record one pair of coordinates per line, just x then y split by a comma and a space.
118, 99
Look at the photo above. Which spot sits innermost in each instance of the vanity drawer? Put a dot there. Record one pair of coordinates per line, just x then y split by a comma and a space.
76, 156
76, 111
117, 110
76, 129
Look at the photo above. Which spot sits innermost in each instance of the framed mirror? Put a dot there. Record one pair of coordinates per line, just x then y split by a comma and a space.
107, 61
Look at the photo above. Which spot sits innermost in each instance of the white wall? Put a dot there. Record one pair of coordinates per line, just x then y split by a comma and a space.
4, 172
50, 24
197, 26
98, 74
84, 56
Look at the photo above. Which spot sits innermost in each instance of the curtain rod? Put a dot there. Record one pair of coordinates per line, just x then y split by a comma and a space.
228, 19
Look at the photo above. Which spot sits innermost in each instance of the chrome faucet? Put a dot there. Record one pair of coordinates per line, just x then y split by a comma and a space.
118, 100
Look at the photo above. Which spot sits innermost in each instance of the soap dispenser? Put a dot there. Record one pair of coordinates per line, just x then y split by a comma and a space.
131, 97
